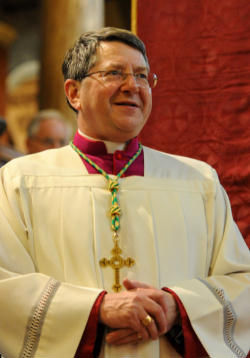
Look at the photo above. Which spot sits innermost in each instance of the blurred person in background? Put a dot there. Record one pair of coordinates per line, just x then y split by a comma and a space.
7, 152
47, 130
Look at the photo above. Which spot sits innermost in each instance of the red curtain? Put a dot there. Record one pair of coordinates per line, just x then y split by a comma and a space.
200, 50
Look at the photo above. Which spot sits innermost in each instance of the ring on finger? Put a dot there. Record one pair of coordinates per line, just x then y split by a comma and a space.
139, 336
147, 320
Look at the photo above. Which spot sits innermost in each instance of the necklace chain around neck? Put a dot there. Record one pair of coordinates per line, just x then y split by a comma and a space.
113, 184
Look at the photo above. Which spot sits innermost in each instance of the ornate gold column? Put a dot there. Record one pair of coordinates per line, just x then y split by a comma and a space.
7, 36
62, 23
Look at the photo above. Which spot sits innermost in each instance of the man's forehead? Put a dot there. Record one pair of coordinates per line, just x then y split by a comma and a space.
117, 52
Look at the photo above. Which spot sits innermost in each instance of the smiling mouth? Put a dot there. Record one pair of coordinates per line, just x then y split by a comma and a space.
127, 104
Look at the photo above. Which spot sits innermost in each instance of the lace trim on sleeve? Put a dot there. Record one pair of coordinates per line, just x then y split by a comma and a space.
230, 319
36, 320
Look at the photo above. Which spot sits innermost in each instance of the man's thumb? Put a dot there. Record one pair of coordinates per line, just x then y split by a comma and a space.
131, 284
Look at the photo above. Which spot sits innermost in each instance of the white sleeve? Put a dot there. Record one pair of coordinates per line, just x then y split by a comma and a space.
219, 305
40, 316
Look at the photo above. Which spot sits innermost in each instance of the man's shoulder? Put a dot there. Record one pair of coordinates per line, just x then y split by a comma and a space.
47, 162
170, 165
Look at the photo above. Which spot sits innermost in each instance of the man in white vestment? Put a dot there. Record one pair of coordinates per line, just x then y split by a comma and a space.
111, 249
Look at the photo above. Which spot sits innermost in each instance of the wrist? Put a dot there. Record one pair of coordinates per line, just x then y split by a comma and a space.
101, 309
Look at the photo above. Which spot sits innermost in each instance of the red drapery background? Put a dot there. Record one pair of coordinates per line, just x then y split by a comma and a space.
200, 50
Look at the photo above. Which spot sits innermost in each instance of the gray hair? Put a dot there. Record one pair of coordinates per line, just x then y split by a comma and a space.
82, 56
43, 115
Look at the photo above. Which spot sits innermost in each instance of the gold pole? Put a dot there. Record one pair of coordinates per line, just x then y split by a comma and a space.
7, 34
134, 16
63, 22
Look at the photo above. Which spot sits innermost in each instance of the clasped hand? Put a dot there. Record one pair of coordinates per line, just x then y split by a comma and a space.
125, 311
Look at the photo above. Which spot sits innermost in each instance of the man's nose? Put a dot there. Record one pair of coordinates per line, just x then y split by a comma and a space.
130, 83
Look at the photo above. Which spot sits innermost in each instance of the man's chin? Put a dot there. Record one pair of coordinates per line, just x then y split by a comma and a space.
130, 126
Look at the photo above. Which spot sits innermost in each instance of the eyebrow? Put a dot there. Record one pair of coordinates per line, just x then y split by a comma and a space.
121, 67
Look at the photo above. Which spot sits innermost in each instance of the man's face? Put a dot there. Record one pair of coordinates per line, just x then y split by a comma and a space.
114, 112
51, 133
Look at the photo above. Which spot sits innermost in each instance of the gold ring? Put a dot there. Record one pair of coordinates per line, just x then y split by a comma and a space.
147, 321
139, 336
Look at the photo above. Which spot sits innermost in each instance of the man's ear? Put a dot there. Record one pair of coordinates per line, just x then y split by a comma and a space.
72, 91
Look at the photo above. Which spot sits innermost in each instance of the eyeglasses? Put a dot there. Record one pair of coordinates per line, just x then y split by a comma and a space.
118, 76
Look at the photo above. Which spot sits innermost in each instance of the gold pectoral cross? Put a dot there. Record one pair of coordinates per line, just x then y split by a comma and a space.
117, 262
